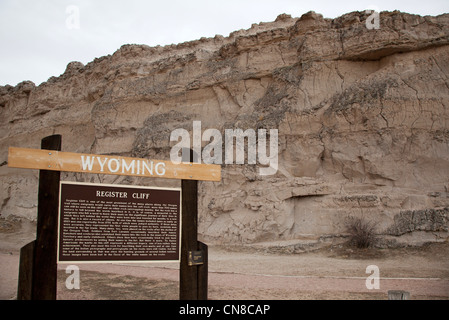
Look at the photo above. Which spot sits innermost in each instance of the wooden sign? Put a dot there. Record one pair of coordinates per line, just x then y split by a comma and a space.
109, 164
38, 259
106, 223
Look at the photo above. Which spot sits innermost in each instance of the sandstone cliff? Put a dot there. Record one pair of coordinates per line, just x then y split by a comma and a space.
363, 120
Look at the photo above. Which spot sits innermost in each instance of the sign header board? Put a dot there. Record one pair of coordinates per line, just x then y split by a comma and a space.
109, 164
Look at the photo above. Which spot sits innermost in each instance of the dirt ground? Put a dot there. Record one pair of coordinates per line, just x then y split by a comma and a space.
334, 272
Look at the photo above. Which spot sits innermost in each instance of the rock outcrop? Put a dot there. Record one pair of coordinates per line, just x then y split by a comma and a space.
362, 117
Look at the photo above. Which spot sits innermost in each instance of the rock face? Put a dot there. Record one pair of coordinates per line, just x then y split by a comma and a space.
362, 118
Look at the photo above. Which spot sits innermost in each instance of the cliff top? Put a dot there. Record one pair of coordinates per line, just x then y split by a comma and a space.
283, 26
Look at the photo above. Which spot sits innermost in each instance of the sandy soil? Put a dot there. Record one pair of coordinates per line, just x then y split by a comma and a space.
335, 272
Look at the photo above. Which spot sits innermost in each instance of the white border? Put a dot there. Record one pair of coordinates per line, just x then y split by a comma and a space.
119, 186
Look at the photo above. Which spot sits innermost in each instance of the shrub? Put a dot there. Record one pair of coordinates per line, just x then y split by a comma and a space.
362, 233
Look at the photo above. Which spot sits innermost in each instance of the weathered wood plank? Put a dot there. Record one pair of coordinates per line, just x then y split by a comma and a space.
51, 160
188, 275
26, 265
45, 265
203, 272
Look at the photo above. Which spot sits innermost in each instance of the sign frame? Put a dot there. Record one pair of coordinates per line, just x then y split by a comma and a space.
96, 261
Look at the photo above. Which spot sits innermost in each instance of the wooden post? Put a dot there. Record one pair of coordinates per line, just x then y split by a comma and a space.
188, 274
26, 264
193, 278
45, 265
203, 272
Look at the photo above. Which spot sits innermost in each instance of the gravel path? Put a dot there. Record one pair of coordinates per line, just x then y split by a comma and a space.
251, 273
225, 285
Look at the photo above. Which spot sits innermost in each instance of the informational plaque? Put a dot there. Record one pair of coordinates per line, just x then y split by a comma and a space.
104, 223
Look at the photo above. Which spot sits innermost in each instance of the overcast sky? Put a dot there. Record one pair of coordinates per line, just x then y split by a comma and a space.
39, 38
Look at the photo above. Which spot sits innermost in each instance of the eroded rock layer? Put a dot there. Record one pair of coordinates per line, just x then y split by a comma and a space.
362, 117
